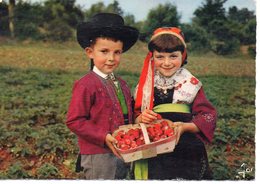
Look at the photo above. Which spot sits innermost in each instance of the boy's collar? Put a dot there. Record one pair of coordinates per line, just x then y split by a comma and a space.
101, 74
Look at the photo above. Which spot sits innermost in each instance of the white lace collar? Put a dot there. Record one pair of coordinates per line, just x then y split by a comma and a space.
162, 82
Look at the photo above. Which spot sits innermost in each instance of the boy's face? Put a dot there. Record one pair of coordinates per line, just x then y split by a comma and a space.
106, 54
167, 63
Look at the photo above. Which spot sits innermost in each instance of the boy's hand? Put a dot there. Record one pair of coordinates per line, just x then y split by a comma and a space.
109, 142
148, 116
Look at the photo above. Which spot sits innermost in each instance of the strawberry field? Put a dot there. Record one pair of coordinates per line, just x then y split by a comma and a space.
36, 81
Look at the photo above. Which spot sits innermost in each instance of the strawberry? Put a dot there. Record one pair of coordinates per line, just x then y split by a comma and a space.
126, 136
156, 138
133, 144
141, 137
151, 132
136, 133
164, 123
165, 127
169, 132
157, 126
125, 147
131, 131
158, 132
159, 116
139, 142
132, 137
118, 137
121, 132
127, 141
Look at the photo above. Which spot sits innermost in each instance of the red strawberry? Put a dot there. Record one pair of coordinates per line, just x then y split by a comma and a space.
136, 133
120, 143
157, 126
159, 116
121, 132
127, 141
158, 132
118, 137
133, 144
132, 137
126, 136
164, 123
131, 131
165, 127
139, 142
125, 147
141, 137
150, 131
156, 138
228, 148
169, 132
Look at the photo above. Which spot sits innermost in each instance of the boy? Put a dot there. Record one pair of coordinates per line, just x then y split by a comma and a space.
101, 101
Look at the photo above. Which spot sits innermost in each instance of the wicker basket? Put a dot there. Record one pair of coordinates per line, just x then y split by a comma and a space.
149, 149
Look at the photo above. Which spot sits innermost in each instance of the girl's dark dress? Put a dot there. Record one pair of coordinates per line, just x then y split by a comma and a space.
189, 160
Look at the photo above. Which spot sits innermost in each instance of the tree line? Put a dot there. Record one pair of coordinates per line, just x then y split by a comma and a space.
213, 28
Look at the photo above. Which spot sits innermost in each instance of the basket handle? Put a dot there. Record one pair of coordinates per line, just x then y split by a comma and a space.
125, 126
146, 137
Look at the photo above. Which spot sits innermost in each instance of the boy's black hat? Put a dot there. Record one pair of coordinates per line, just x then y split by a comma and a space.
106, 25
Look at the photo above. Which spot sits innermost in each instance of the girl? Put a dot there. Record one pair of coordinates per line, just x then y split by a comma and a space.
167, 88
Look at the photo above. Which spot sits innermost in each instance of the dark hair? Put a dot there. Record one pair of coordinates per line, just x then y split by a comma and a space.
94, 39
166, 43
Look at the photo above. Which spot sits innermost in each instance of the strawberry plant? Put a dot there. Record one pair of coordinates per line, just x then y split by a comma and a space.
16, 171
47, 171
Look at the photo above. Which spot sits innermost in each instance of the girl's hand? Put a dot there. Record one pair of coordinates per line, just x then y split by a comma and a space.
109, 142
147, 116
178, 128
181, 127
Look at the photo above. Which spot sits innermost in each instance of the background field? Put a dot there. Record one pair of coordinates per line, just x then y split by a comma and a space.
36, 81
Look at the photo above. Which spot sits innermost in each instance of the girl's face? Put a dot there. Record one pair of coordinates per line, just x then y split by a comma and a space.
167, 63
106, 54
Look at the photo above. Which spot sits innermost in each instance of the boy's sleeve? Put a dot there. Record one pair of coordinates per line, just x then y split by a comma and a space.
204, 116
78, 117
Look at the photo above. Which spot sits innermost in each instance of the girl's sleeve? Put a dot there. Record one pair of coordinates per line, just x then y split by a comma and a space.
204, 116
78, 117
